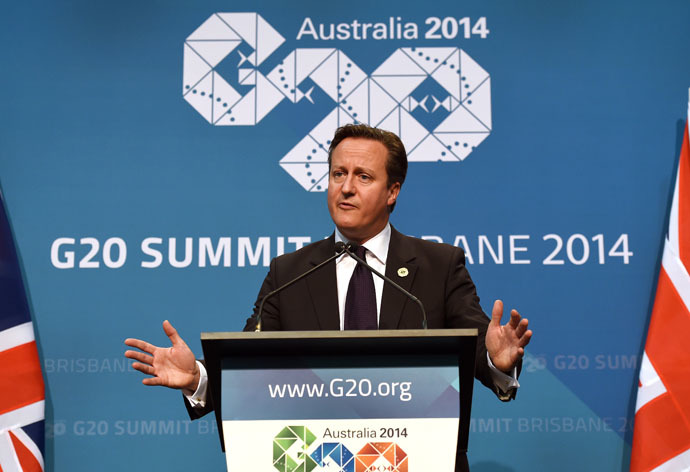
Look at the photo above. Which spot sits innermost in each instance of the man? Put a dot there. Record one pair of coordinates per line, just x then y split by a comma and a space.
367, 168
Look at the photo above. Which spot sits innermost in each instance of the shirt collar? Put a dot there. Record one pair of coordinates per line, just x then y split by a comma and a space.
377, 246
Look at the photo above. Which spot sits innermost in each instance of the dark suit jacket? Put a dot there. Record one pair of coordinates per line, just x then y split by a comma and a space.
436, 275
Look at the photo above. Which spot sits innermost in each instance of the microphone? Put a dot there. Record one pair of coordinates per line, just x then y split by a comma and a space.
339, 250
350, 248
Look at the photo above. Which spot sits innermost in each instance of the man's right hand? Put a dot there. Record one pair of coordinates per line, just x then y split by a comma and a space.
173, 367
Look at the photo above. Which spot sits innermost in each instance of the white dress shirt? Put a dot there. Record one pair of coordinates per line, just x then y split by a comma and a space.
377, 251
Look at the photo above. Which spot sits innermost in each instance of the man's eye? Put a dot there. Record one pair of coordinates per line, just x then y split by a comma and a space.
364, 177
337, 174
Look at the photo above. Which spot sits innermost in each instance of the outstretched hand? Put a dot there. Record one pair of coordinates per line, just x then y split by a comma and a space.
173, 367
506, 344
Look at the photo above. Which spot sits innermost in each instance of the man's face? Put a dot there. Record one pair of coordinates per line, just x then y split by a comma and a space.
358, 192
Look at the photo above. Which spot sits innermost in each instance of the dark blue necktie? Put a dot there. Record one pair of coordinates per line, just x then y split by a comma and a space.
360, 303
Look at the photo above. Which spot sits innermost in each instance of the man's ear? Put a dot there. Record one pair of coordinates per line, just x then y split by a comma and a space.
393, 192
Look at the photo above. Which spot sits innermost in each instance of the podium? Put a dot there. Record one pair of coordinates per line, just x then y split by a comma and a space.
395, 400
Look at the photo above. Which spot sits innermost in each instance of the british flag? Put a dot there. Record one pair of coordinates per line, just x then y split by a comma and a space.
21, 381
661, 440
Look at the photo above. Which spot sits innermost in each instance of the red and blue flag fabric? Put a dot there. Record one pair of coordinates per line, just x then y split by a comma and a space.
22, 396
661, 440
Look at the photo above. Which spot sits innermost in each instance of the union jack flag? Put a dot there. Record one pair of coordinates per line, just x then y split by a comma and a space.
21, 382
661, 438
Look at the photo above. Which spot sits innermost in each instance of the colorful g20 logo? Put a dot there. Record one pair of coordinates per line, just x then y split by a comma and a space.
291, 454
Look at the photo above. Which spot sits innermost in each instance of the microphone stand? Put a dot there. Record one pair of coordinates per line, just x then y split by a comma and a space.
339, 250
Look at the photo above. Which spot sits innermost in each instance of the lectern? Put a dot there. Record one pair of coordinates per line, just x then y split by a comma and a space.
349, 401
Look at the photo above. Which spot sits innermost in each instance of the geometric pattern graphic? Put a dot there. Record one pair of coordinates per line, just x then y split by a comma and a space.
207, 91
388, 98
290, 454
661, 440
376, 456
290, 450
334, 457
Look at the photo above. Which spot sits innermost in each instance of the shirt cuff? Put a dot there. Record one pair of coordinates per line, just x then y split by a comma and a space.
505, 384
198, 398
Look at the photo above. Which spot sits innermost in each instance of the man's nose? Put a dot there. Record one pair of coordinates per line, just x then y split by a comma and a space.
348, 185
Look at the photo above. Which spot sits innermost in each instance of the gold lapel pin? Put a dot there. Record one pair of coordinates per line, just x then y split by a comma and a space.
402, 272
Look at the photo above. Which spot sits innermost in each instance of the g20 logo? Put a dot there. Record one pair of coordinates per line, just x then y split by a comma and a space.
291, 454
437, 99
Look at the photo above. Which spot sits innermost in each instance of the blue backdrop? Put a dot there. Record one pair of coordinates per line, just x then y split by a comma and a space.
155, 155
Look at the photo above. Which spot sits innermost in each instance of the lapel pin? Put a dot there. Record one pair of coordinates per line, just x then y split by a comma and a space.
402, 272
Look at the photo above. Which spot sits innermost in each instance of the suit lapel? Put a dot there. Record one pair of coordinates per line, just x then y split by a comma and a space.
323, 288
401, 268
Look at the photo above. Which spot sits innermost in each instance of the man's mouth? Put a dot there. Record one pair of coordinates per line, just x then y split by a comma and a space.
346, 206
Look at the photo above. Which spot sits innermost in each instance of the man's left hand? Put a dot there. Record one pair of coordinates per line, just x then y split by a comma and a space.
506, 344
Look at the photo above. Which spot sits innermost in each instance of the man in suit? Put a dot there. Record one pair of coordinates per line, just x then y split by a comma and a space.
367, 168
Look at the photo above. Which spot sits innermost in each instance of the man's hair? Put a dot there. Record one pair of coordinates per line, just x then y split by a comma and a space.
396, 162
